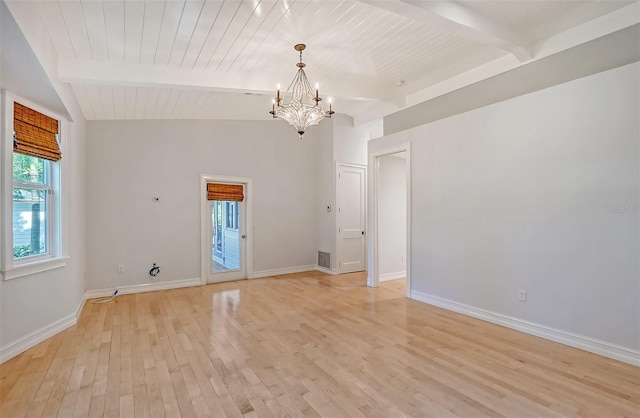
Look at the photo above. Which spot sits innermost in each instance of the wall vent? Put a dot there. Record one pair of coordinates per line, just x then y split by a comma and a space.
324, 260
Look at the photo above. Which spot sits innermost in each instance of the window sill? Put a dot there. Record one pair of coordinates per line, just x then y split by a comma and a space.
34, 268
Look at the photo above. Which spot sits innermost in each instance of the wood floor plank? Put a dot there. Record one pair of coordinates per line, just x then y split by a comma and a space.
166, 390
304, 345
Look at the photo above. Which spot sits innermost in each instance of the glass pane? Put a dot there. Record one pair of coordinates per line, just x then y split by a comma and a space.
225, 243
28, 169
29, 222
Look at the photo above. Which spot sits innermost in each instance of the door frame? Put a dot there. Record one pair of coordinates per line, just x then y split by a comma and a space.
373, 276
337, 194
205, 245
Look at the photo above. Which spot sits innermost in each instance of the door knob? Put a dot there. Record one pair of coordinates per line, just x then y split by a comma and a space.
244, 236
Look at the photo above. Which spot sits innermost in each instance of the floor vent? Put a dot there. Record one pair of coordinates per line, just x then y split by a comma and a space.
324, 260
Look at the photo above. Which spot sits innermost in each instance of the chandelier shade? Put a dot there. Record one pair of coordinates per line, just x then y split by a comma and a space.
300, 106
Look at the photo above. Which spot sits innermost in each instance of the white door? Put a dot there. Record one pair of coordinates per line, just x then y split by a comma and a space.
227, 241
351, 218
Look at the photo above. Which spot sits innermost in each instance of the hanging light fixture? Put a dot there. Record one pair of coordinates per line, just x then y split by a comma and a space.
300, 106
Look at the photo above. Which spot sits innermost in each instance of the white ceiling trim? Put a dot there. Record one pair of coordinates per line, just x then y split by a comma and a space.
463, 21
611, 22
141, 75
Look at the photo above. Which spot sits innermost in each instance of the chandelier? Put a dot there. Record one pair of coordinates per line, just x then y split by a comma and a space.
300, 106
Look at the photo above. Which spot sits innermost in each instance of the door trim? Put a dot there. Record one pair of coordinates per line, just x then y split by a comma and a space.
204, 213
337, 194
373, 276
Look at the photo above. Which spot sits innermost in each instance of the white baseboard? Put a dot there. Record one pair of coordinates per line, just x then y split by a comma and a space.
325, 270
602, 348
11, 350
278, 272
81, 306
392, 276
140, 288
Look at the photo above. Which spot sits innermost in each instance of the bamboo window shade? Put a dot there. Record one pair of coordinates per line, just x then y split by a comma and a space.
225, 192
35, 133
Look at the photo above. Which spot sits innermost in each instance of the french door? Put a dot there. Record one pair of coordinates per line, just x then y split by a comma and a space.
226, 234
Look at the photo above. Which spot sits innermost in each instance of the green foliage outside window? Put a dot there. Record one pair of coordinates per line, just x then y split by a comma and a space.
28, 169
21, 251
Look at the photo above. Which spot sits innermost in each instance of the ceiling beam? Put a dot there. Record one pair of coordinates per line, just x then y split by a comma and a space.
140, 75
463, 21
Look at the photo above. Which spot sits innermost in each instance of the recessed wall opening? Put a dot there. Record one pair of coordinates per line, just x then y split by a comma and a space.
391, 219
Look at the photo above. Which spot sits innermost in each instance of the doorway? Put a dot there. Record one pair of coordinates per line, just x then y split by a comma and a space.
225, 222
391, 216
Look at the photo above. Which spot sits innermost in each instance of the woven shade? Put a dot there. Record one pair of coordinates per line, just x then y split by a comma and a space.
35, 134
225, 192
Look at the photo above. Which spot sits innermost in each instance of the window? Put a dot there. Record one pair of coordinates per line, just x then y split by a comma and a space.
33, 243
31, 212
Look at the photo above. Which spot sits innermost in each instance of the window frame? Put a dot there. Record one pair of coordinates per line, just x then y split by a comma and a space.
57, 232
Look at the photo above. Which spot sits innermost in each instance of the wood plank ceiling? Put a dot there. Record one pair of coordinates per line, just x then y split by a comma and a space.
135, 59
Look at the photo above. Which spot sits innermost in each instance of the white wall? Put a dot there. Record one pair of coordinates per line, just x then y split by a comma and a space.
519, 195
342, 142
129, 162
32, 305
325, 191
350, 142
392, 216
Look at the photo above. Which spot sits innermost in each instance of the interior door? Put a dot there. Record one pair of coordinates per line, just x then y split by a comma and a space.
351, 218
227, 254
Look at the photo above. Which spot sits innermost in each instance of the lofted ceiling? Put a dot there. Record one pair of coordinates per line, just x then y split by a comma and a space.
215, 59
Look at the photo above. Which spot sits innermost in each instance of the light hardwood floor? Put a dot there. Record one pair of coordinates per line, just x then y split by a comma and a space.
304, 345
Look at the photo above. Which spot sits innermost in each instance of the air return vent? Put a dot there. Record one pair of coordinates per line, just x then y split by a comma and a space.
324, 260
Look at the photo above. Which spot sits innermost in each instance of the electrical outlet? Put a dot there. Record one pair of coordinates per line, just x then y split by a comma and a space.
522, 295
120, 269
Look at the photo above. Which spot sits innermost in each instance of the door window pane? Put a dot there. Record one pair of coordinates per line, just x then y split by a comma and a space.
225, 245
